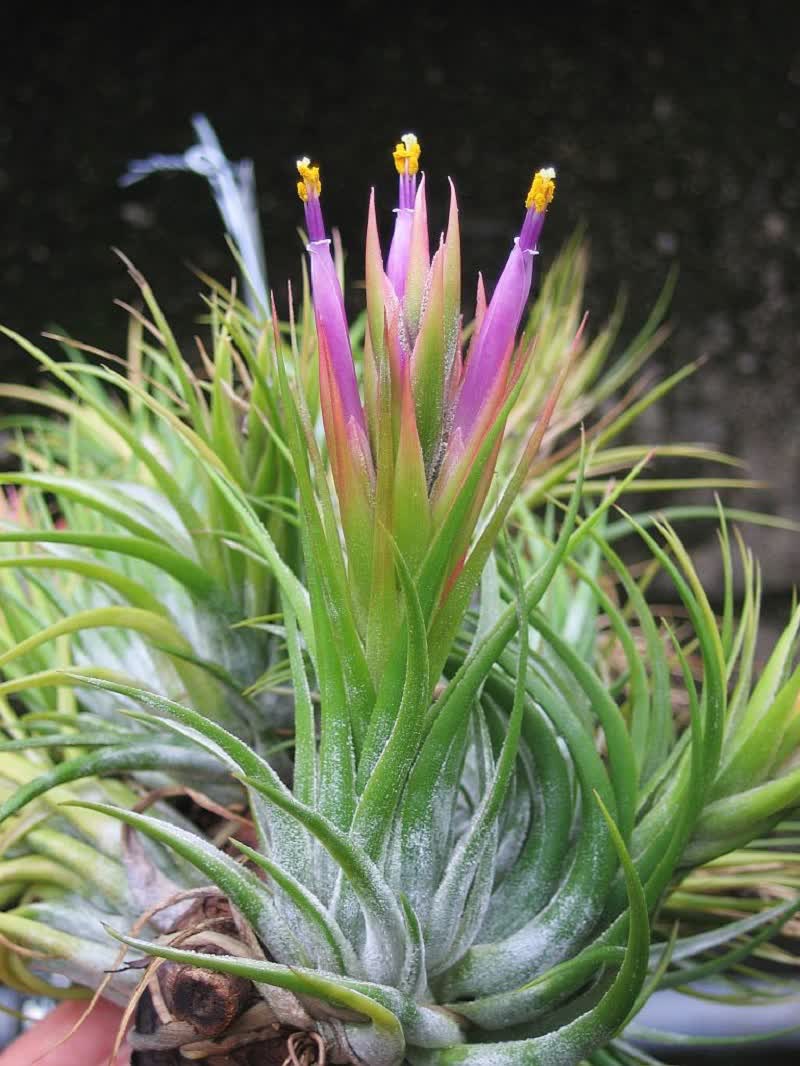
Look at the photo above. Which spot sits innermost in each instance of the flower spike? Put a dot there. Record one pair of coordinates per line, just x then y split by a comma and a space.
417, 476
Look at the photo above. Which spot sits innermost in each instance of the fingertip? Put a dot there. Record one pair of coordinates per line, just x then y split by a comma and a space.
91, 1043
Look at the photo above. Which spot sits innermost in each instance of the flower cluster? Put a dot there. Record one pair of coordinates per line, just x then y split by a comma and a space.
431, 412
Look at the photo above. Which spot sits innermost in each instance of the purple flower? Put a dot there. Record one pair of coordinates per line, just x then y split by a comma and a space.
406, 160
328, 300
495, 342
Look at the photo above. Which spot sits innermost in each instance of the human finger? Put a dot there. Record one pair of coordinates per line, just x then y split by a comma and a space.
90, 1045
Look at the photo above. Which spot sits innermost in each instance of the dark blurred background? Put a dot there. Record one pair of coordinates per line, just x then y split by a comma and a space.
674, 130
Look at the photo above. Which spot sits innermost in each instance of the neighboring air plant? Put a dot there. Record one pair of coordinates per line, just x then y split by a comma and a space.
234, 189
147, 536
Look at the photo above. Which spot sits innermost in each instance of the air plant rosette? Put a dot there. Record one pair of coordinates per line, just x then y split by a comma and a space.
476, 846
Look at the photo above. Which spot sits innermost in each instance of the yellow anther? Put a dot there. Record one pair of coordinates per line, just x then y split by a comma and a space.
406, 154
542, 190
310, 183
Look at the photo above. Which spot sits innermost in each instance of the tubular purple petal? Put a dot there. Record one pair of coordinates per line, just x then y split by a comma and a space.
397, 263
496, 338
406, 160
315, 227
332, 322
327, 295
531, 230
500, 323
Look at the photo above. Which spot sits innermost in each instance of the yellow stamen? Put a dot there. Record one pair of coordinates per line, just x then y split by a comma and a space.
406, 154
542, 190
310, 184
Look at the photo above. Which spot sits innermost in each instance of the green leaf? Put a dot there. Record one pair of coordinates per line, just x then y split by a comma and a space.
387, 940
538, 868
538, 997
82, 960
193, 577
137, 594
560, 927
153, 753
401, 726
250, 895
306, 781
316, 929
572, 1042
461, 896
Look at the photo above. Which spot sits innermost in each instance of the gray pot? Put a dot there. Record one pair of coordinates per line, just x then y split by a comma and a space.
670, 1011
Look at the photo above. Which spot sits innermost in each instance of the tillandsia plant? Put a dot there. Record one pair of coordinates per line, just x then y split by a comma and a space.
491, 801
